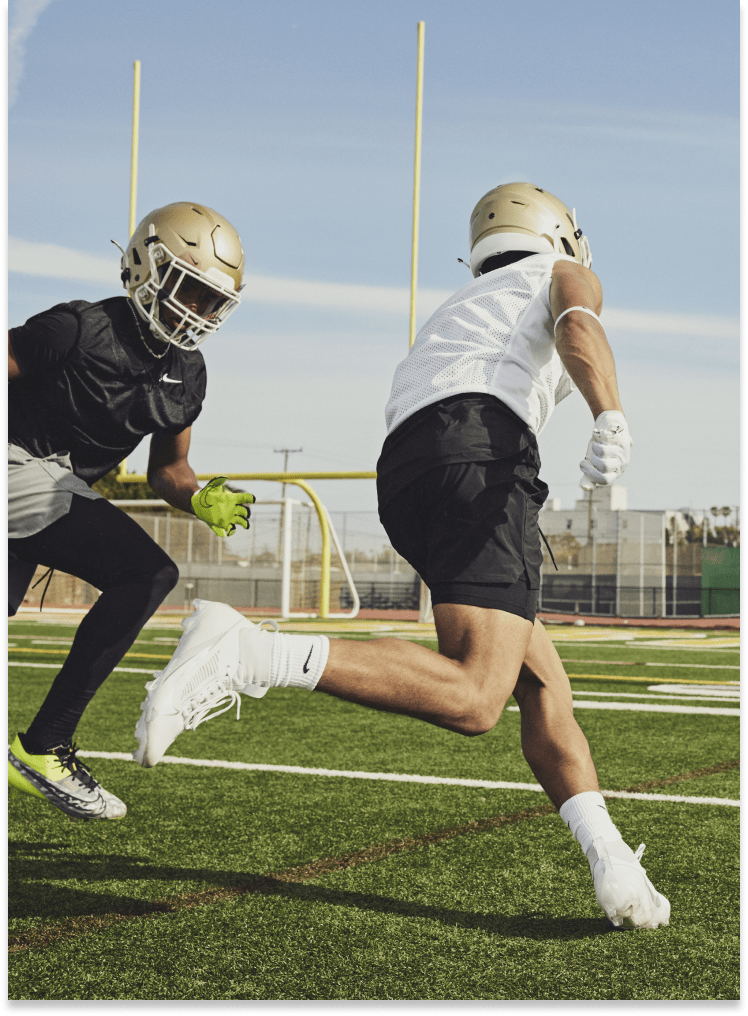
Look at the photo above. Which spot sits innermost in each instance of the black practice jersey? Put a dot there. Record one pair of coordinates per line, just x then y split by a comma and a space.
91, 388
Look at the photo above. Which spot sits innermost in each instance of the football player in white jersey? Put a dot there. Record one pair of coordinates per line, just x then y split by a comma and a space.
459, 496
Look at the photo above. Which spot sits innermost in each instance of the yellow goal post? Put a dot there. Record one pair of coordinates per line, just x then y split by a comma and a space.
300, 480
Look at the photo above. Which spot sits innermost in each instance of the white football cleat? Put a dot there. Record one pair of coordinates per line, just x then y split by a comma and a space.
205, 672
622, 888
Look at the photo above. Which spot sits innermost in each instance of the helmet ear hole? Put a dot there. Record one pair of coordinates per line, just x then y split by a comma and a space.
567, 247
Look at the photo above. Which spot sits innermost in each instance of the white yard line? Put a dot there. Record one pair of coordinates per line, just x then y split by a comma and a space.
636, 663
642, 695
733, 646
159, 643
56, 666
642, 707
209, 763
702, 666
724, 691
670, 797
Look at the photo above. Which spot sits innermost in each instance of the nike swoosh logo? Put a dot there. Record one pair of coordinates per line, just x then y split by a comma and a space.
305, 668
170, 380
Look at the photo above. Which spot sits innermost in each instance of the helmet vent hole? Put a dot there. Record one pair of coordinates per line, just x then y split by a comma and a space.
540, 190
136, 256
567, 247
491, 215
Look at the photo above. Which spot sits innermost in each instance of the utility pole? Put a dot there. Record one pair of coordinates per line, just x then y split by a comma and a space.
591, 543
285, 452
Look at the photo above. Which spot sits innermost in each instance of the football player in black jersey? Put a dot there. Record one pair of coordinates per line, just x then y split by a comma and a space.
88, 381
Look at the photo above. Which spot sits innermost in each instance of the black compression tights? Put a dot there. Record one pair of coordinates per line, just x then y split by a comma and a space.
101, 545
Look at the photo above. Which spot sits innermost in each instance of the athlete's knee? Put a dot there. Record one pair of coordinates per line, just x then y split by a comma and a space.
165, 577
154, 571
478, 715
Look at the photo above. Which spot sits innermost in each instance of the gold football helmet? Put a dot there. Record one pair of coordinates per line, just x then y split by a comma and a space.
183, 271
521, 216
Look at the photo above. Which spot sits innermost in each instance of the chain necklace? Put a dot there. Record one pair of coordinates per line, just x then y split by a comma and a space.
157, 356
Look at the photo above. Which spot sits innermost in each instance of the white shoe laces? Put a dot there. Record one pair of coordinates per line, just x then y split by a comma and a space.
221, 692
603, 855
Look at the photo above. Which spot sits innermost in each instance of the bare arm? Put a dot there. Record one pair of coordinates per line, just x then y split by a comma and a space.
169, 473
580, 339
14, 371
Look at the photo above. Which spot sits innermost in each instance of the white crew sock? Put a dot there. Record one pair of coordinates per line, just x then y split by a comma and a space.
587, 817
297, 661
279, 660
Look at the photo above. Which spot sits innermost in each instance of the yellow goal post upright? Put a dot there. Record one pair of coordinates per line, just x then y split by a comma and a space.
425, 612
134, 150
300, 480
326, 528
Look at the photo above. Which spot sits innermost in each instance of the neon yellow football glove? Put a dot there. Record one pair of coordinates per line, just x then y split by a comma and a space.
220, 509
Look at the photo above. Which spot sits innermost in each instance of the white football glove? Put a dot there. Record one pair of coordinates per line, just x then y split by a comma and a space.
608, 452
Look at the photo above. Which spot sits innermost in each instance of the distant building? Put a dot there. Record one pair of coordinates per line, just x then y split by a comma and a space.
611, 560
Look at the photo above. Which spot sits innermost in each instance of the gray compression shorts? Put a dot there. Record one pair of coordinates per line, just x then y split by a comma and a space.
40, 491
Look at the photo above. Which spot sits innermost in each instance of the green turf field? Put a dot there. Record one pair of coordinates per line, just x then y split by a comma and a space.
257, 883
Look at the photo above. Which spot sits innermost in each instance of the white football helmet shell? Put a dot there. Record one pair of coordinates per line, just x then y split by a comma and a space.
521, 216
183, 270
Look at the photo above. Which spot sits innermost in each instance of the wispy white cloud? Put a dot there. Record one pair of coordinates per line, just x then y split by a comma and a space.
335, 295
52, 261
659, 126
711, 326
22, 18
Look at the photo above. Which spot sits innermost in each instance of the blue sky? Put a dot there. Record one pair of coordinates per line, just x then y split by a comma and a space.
295, 121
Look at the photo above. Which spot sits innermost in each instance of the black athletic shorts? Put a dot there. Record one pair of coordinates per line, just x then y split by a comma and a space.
470, 529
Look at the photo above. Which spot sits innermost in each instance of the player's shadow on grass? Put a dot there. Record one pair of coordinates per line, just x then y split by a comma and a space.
38, 871
532, 924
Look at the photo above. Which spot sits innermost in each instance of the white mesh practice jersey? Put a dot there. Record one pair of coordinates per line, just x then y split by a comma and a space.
495, 335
